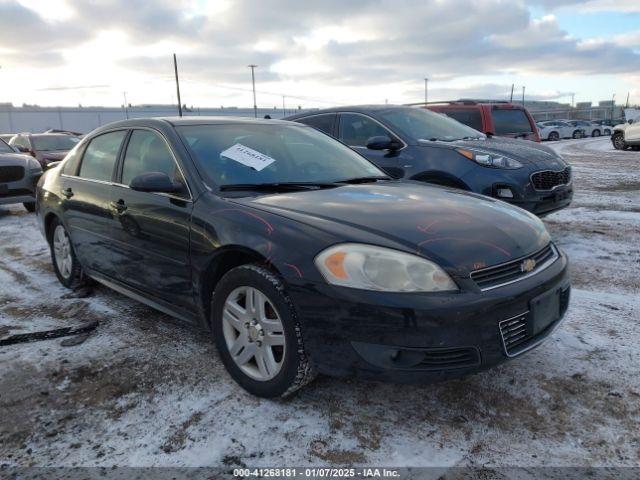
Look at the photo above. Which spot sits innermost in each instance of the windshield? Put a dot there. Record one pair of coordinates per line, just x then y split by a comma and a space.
4, 148
54, 142
421, 124
257, 153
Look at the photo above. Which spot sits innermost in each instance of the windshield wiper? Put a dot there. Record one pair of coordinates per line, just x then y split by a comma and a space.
370, 179
471, 138
277, 186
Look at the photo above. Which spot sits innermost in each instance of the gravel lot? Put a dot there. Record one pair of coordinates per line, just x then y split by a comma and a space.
143, 390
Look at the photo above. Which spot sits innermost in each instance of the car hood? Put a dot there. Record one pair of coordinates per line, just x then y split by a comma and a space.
526, 152
12, 159
459, 230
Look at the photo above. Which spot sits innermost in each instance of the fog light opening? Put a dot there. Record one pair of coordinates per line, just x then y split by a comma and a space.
504, 192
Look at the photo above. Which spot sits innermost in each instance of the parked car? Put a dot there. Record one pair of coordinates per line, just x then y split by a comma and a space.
626, 135
18, 177
45, 147
491, 117
299, 254
6, 137
589, 129
554, 130
418, 144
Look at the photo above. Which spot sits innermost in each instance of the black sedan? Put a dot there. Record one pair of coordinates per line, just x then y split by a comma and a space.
417, 144
300, 255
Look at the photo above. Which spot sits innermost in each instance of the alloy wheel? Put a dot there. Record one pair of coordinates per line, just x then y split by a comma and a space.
62, 251
253, 333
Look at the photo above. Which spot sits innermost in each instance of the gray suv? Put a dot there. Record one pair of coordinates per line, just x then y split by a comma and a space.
18, 177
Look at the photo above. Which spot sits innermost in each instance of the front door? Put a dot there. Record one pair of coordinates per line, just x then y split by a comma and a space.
355, 129
87, 190
151, 230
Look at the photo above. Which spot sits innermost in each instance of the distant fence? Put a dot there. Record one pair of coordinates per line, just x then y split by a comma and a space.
592, 113
85, 119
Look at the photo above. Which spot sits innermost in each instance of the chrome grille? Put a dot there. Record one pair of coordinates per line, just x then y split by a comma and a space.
548, 179
11, 173
505, 273
514, 333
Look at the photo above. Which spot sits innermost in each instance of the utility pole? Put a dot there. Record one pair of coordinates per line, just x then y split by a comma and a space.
284, 110
523, 95
175, 69
613, 106
253, 83
126, 110
627, 104
511, 97
426, 90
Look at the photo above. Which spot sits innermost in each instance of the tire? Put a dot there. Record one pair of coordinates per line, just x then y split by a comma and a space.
265, 368
595, 133
30, 206
607, 132
577, 134
618, 141
554, 136
67, 269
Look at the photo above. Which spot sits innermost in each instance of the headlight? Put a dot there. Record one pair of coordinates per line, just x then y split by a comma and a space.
377, 268
490, 160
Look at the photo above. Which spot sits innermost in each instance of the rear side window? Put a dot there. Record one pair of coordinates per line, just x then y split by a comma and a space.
510, 121
356, 129
324, 122
470, 117
101, 155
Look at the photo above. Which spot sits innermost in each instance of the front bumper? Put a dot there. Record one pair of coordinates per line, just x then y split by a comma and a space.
420, 337
19, 191
543, 203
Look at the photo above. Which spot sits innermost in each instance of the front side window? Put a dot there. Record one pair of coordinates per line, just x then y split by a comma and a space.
289, 153
506, 121
147, 152
470, 117
356, 129
100, 156
323, 122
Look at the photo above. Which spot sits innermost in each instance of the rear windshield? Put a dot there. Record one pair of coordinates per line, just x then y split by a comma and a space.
253, 154
507, 121
470, 117
54, 142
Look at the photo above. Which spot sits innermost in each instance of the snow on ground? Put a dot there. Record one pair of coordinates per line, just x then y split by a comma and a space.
144, 390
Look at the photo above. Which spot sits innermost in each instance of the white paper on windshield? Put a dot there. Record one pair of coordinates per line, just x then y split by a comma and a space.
248, 156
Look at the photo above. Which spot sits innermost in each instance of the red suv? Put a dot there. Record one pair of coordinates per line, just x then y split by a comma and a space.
492, 117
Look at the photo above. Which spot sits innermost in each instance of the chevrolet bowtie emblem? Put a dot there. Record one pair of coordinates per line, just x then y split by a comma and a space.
527, 265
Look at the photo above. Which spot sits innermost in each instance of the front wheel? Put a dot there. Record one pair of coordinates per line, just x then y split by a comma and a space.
257, 333
554, 136
65, 263
577, 134
618, 141
596, 133
29, 206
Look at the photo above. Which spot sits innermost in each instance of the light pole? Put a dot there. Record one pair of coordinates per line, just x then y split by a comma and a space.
426, 90
175, 69
126, 111
284, 109
253, 83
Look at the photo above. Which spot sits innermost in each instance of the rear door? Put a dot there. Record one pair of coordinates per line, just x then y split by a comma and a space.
355, 129
472, 117
151, 230
87, 190
632, 133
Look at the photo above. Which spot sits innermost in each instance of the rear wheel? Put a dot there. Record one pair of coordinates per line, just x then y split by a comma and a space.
257, 333
554, 136
577, 134
607, 131
618, 141
595, 133
30, 206
65, 264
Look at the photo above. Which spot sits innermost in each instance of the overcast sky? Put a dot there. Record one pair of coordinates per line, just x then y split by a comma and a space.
89, 52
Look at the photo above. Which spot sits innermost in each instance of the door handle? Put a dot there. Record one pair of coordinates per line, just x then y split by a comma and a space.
120, 206
67, 192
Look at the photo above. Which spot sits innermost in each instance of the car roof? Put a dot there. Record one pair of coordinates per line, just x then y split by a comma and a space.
350, 108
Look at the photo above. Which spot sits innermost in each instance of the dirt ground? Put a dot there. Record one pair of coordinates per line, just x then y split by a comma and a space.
144, 391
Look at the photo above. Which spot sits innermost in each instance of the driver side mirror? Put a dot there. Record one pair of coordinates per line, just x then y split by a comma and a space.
383, 142
156, 182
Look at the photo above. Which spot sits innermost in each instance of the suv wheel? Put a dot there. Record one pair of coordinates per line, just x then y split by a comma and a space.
554, 136
618, 141
65, 263
257, 333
